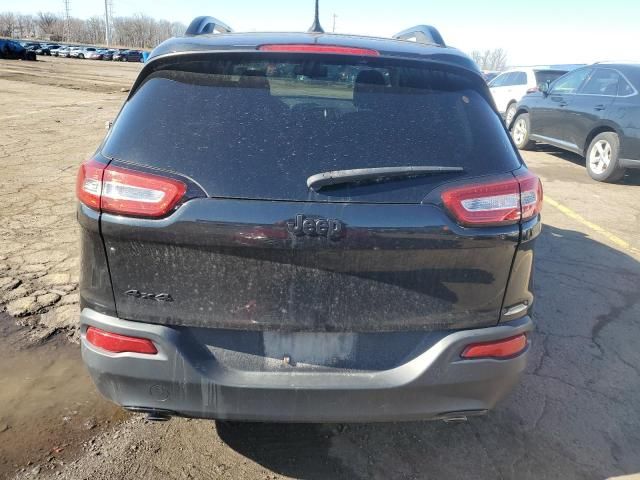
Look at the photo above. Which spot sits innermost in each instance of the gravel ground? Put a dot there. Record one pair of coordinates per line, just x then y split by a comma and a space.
574, 415
58, 111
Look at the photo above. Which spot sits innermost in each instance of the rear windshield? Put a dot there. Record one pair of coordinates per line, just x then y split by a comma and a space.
258, 128
544, 76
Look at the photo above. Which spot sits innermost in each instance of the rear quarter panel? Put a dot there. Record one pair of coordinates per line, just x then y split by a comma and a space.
625, 115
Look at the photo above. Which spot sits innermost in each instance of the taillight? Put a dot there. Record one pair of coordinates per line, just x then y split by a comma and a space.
89, 183
507, 348
494, 203
127, 192
531, 195
533, 90
116, 343
304, 48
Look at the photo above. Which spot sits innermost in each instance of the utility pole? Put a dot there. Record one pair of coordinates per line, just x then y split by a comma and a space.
107, 27
66, 33
334, 23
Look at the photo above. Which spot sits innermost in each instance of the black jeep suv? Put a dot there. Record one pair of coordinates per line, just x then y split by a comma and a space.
307, 227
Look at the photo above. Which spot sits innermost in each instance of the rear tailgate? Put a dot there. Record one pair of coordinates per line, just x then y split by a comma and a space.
258, 249
235, 264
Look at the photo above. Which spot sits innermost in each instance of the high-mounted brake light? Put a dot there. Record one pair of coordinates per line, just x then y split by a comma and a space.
304, 48
507, 348
502, 202
127, 192
116, 343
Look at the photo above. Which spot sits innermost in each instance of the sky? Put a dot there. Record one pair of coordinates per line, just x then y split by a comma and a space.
533, 32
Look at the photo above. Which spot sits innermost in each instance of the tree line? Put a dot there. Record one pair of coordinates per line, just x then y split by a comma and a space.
494, 60
139, 31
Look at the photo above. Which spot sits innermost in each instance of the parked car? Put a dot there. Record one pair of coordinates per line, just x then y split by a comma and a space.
127, 56
593, 111
509, 87
45, 49
277, 251
64, 52
12, 50
97, 54
55, 50
83, 52
108, 54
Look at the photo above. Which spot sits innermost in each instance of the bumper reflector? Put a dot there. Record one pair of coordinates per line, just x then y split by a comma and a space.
507, 348
116, 343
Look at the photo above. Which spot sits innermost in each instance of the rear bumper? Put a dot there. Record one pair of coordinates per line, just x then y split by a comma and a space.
186, 379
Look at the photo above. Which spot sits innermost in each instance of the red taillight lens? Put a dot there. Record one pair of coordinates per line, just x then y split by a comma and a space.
506, 348
531, 195
89, 183
502, 202
116, 343
533, 90
303, 48
127, 192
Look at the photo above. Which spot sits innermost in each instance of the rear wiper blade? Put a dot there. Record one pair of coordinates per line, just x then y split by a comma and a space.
380, 174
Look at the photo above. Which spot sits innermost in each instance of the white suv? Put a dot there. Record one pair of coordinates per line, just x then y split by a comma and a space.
510, 86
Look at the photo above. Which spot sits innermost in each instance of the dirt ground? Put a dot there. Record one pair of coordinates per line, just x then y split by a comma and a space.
573, 416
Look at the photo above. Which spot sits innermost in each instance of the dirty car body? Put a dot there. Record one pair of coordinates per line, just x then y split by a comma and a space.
307, 227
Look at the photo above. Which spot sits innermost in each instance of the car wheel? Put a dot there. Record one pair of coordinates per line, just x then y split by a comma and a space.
602, 158
81, 56
520, 132
124, 59
511, 112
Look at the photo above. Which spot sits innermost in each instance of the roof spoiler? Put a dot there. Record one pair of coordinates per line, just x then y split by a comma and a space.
206, 25
422, 34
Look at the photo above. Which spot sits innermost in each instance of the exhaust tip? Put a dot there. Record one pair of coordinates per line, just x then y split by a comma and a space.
455, 419
158, 417
461, 417
153, 414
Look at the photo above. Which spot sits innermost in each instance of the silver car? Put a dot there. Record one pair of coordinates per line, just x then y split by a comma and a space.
74, 52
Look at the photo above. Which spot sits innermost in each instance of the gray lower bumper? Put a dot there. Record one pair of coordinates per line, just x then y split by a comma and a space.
185, 378
629, 163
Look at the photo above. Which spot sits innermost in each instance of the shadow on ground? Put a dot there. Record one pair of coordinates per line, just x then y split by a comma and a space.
632, 176
573, 415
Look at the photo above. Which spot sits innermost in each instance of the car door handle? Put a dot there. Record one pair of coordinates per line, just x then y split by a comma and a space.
563, 104
599, 107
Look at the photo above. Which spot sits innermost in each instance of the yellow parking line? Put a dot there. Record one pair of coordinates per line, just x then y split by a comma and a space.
596, 228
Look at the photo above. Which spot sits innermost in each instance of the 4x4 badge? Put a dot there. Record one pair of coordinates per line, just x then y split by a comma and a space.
316, 227
158, 297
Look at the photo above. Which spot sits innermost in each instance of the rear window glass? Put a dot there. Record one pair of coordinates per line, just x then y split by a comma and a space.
624, 88
257, 128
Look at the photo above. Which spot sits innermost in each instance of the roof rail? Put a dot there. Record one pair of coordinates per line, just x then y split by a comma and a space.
205, 25
423, 34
